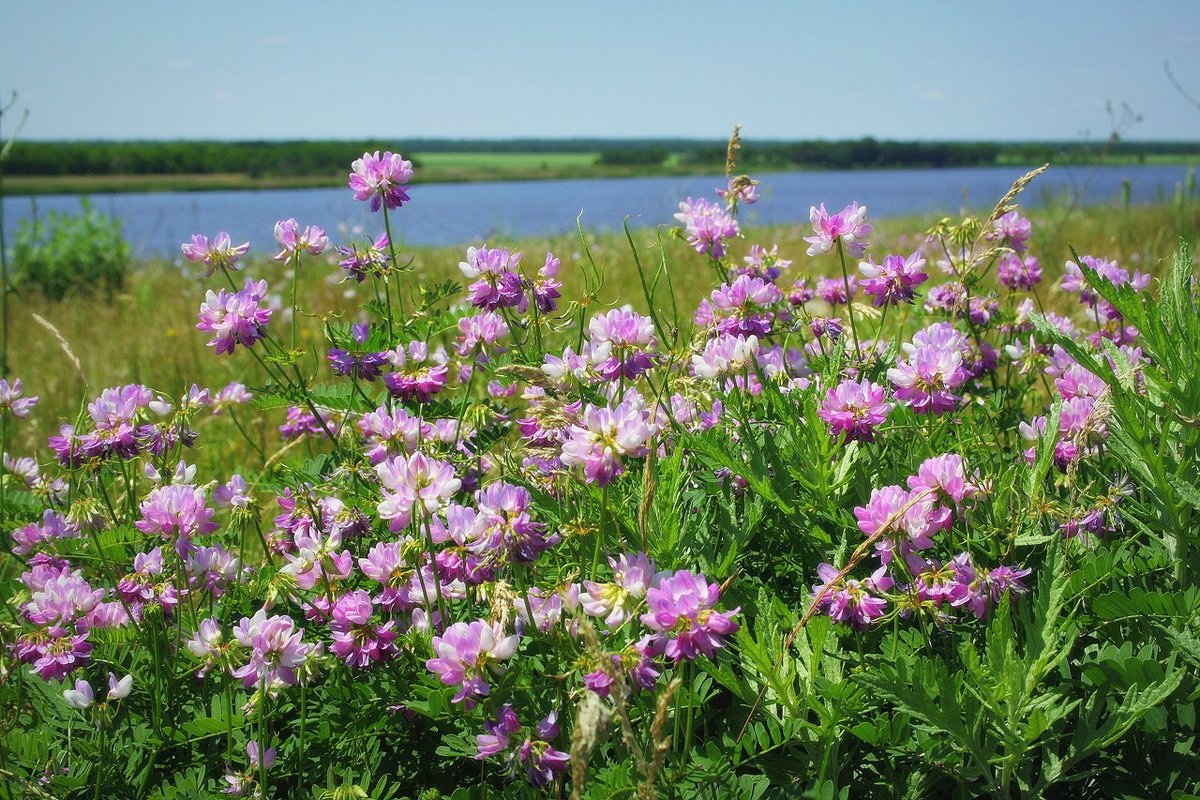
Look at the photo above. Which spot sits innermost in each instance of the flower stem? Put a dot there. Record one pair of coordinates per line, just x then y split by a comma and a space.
849, 299
295, 313
387, 226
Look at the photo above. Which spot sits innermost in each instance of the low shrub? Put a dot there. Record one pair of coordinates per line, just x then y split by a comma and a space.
63, 253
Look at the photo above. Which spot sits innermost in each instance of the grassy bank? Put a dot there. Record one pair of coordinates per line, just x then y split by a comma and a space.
450, 167
463, 167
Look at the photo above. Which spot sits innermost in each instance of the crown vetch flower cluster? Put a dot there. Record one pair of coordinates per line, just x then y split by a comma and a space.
381, 179
466, 653
895, 280
681, 612
855, 409
933, 370
11, 401
542, 762
293, 241
905, 524
276, 650
235, 318
708, 226
219, 254
176, 512
848, 226
606, 436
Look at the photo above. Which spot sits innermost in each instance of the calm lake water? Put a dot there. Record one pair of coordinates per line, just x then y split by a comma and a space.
447, 214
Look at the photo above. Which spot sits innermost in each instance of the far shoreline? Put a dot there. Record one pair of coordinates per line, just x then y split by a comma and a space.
35, 186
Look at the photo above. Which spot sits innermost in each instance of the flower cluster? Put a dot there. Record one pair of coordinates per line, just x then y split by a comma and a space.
708, 226
906, 523
381, 179
219, 254
235, 318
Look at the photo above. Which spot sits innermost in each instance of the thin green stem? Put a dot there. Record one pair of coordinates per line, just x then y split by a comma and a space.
295, 313
303, 725
849, 300
600, 531
3, 449
263, 771
246, 436
387, 226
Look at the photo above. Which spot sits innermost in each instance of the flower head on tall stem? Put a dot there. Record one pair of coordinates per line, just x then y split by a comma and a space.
218, 254
382, 179
293, 241
235, 317
855, 409
12, 402
895, 280
466, 653
848, 226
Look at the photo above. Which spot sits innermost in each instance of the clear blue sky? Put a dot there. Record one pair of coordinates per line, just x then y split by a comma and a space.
239, 69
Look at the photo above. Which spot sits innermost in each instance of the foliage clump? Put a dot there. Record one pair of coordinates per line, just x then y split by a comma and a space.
71, 253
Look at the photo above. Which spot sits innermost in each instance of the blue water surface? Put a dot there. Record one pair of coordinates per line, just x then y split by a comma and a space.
445, 214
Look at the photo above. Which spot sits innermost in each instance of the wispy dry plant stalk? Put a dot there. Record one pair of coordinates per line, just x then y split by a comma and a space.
591, 728
732, 149
660, 744
648, 760
64, 345
1003, 207
738, 184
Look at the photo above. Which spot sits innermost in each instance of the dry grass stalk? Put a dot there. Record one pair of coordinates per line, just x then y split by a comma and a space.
648, 761
732, 150
1006, 203
1003, 207
591, 728
659, 743
63, 344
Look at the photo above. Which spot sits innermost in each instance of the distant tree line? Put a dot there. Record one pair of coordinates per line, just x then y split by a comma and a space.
852, 154
643, 156
285, 158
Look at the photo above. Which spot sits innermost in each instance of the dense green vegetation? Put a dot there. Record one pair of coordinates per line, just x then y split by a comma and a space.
654, 582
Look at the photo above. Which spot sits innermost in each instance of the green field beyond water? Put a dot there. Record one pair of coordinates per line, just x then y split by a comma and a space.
93, 167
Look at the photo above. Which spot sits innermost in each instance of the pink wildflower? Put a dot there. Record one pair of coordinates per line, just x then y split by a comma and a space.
276, 650
176, 511
634, 574
895, 280
414, 483
707, 225
849, 225
1016, 272
356, 641
215, 255
11, 400
235, 318
604, 437
381, 179
293, 241
850, 600
481, 332
631, 339
681, 611
856, 409
542, 762
465, 655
